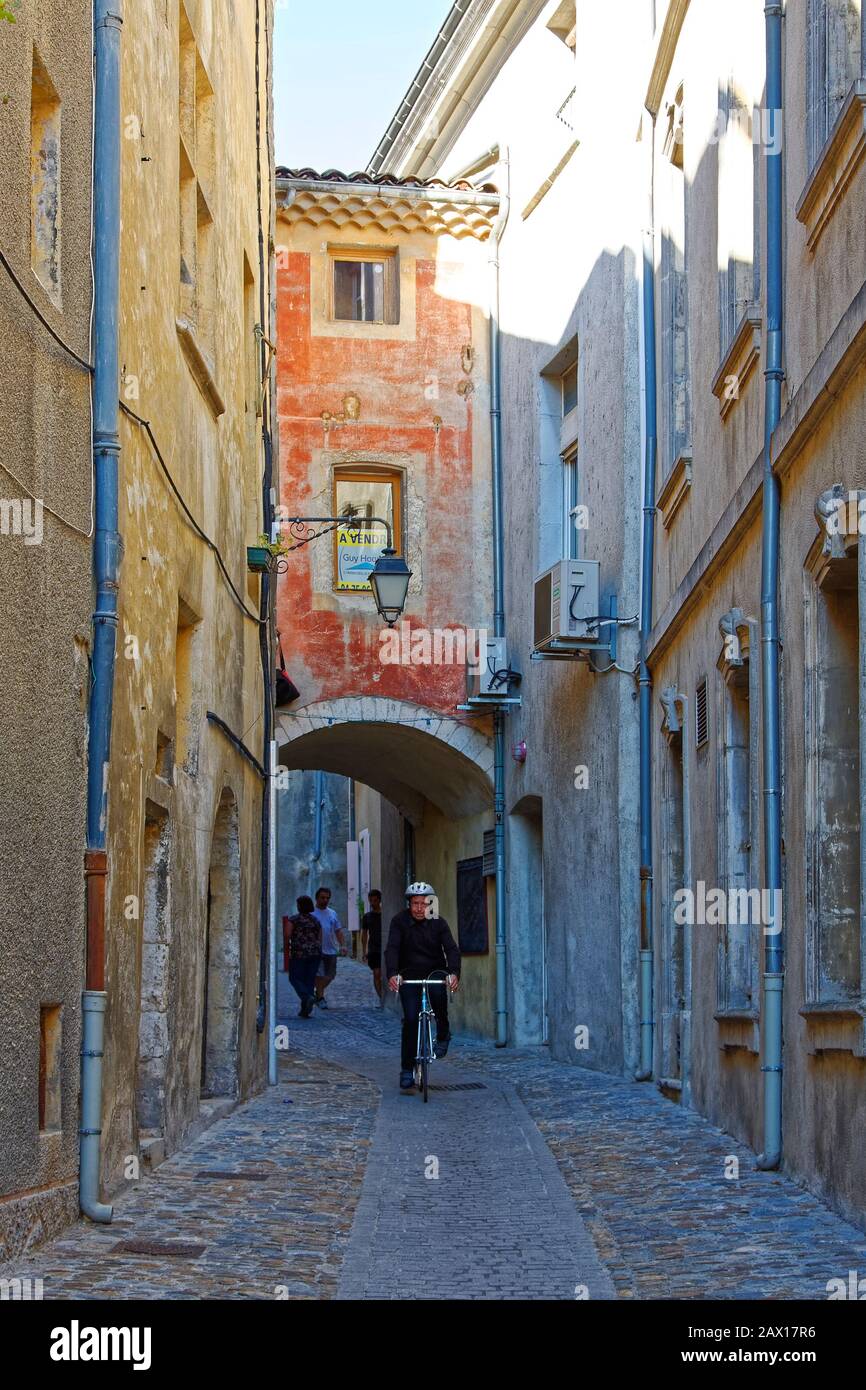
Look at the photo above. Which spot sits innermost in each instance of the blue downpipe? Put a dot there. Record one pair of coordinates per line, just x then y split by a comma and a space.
108, 23
770, 649
498, 609
645, 988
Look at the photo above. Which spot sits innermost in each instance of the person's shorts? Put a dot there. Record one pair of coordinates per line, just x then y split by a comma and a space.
327, 967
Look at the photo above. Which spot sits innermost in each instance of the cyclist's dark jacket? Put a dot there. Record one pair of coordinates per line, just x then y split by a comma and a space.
415, 949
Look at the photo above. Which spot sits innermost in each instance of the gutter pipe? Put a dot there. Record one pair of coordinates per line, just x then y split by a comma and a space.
498, 602
645, 1070
770, 645
107, 547
267, 643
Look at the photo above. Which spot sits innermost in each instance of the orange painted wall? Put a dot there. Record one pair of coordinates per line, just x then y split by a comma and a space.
332, 652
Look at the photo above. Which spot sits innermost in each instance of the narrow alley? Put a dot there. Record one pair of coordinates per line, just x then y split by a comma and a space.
522, 1178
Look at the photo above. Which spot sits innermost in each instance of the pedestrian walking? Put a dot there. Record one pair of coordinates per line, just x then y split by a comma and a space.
332, 944
371, 938
302, 950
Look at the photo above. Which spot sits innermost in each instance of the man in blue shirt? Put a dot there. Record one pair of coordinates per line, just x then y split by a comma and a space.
332, 944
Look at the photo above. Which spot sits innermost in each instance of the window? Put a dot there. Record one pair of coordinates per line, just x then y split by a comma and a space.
197, 168
835, 45
568, 447
569, 390
739, 259
833, 776
472, 932
674, 875
366, 493
674, 294
45, 180
364, 286
570, 510
50, 1051
737, 964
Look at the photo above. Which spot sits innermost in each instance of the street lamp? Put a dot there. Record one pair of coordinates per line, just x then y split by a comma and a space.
389, 580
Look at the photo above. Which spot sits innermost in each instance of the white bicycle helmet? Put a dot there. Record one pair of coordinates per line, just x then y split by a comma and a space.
420, 890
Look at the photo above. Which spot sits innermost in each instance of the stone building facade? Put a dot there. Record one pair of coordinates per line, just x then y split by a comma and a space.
45, 568
384, 405
670, 159
183, 970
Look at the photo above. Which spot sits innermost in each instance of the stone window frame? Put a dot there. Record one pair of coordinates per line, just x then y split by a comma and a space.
739, 281
356, 604
197, 293
834, 121
736, 668
388, 257
827, 88
674, 296
373, 472
837, 556
46, 180
675, 1010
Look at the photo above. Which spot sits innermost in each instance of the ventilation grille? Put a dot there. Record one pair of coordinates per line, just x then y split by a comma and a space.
488, 867
702, 716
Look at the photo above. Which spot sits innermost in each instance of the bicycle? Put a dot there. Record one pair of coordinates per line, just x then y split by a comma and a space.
426, 1051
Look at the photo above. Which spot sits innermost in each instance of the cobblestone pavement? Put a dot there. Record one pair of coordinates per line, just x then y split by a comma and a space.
281, 1233
551, 1179
647, 1178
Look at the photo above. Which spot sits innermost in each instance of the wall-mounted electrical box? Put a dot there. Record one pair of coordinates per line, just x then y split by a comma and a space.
488, 679
491, 681
566, 607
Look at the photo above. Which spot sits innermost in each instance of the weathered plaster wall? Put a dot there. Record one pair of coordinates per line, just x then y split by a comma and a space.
44, 453
184, 645
709, 562
412, 417
570, 275
404, 386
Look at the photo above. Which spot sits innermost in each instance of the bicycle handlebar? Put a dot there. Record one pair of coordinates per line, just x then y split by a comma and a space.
423, 982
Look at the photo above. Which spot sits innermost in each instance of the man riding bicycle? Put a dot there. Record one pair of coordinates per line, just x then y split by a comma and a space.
419, 943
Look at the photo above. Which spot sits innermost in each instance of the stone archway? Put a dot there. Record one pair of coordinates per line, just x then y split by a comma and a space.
407, 753
222, 953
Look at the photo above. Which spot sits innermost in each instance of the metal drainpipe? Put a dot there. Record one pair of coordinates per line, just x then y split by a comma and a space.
271, 793
107, 26
645, 1070
268, 587
770, 546
319, 795
498, 604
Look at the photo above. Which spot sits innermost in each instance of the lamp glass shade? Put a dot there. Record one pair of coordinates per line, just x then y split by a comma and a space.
389, 580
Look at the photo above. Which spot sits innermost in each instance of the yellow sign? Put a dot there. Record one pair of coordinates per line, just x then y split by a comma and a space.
357, 553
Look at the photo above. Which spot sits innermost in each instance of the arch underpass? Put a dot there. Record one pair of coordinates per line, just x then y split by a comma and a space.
407, 753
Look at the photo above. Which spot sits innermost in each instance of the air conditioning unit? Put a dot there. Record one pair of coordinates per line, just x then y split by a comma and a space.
487, 680
566, 603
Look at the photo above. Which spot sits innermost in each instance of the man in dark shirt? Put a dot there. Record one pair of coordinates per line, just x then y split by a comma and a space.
419, 943
371, 937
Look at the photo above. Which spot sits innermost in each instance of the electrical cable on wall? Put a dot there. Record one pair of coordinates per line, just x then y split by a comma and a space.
145, 425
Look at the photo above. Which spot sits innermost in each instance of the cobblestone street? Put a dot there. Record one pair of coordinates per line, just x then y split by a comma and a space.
541, 1181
